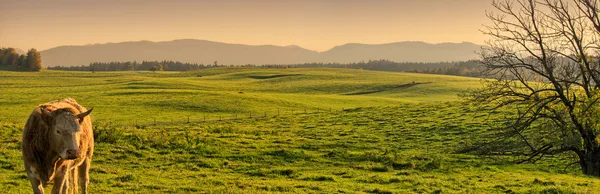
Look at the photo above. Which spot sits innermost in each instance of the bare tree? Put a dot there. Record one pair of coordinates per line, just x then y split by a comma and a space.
545, 58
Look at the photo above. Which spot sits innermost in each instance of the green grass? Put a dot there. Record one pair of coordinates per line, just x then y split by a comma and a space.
396, 140
145, 96
398, 149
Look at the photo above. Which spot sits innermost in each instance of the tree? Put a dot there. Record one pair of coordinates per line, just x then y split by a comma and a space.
545, 59
129, 66
22, 61
10, 57
135, 65
153, 69
164, 66
2, 55
34, 60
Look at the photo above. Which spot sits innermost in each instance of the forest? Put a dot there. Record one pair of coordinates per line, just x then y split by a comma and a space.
461, 68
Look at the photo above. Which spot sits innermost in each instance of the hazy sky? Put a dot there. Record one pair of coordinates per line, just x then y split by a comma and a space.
312, 24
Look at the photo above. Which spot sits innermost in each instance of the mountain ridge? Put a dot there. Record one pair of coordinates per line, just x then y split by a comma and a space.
205, 51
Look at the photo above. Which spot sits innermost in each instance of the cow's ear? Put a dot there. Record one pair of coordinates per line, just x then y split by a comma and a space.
84, 114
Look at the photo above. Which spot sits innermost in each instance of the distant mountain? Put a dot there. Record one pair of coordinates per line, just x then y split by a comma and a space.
21, 52
402, 52
206, 52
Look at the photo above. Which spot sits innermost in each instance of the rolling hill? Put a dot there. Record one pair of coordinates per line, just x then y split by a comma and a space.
206, 52
148, 95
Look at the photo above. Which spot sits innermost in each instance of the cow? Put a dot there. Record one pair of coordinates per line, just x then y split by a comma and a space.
58, 144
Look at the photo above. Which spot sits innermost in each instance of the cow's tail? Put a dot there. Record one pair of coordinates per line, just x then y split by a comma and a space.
73, 180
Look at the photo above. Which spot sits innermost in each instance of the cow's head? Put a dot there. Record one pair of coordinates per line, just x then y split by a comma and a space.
65, 131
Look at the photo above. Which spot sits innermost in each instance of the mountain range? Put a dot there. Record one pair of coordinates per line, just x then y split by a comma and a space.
206, 52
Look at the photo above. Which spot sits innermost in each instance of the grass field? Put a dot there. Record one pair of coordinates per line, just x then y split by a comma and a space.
393, 136
129, 96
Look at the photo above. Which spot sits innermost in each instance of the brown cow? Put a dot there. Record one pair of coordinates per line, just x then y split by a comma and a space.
58, 144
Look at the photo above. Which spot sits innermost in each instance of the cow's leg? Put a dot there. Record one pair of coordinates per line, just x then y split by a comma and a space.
36, 184
84, 174
34, 178
60, 177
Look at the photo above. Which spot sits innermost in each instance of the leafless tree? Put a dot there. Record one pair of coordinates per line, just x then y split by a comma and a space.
545, 58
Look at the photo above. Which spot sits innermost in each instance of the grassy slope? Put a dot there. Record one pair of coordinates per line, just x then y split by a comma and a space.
406, 142
128, 96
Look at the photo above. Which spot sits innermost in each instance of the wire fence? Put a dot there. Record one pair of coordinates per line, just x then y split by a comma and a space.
193, 118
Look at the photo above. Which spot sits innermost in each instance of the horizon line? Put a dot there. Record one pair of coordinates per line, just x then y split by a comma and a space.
182, 39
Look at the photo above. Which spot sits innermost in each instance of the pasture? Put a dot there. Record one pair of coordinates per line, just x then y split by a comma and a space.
165, 96
398, 133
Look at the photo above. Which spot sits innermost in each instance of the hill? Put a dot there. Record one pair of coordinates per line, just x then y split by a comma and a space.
206, 52
402, 52
166, 96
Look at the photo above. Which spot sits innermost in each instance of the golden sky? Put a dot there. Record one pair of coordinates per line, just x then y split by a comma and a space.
313, 24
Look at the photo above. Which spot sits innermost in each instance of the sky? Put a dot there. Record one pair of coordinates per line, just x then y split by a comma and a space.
312, 24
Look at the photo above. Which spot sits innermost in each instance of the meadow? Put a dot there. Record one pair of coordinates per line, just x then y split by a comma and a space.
145, 96
374, 132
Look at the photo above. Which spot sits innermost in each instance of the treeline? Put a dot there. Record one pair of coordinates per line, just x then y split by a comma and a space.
378, 65
466, 68
135, 66
31, 61
461, 68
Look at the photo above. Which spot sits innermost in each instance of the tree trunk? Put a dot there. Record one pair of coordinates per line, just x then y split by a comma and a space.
590, 163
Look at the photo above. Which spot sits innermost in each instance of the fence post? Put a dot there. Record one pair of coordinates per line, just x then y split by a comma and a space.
305, 110
154, 121
250, 114
265, 114
188, 118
